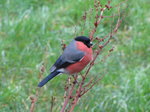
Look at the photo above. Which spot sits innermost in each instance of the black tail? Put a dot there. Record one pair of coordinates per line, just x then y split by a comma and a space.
46, 79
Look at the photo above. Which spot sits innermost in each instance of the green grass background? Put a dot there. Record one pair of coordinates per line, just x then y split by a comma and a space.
30, 34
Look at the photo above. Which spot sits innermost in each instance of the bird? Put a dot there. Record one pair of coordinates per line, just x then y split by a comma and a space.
75, 57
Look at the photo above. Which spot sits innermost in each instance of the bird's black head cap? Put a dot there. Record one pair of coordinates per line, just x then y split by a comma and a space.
85, 40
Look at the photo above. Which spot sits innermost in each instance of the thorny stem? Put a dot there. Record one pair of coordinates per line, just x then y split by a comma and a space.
74, 104
78, 95
67, 99
97, 23
69, 95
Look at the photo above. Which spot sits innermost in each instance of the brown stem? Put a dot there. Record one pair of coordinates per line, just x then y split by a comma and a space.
33, 101
97, 22
89, 83
93, 84
74, 104
69, 95
52, 104
67, 99
78, 92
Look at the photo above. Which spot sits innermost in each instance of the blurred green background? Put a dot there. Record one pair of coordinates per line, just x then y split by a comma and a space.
31, 32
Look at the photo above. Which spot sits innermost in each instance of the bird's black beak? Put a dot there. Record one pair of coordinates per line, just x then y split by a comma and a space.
90, 44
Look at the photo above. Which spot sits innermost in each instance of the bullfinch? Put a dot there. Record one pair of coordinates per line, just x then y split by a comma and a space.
74, 59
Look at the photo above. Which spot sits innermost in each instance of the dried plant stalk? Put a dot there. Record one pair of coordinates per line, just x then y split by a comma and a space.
34, 98
74, 94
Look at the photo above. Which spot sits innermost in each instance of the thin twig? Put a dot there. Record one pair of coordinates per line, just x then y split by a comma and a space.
52, 104
93, 84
